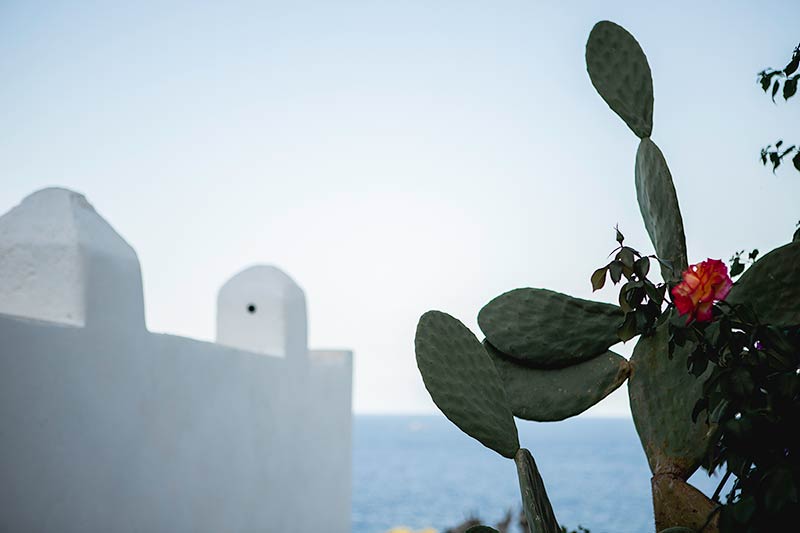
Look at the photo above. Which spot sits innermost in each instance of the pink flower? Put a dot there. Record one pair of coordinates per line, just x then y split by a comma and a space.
702, 285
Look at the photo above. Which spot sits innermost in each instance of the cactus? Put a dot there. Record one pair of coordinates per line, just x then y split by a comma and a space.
549, 351
777, 273
548, 395
464, 384
538, 326
538, 510
662, 395
659, 206
619, 71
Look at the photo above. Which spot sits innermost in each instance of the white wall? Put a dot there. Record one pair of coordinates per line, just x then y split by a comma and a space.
105, 426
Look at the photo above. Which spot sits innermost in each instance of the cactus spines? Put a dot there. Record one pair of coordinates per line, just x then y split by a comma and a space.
658, 203
548, 329
662, 396
772, 286
681, 506
619, 71
535, 502
464, 383
548, 395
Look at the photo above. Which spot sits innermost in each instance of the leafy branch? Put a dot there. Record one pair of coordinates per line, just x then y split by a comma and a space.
776, 79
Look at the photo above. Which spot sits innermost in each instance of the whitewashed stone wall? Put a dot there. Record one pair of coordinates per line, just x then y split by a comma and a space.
107, 427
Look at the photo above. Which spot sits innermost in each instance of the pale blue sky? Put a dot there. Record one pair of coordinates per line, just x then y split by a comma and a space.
393, 157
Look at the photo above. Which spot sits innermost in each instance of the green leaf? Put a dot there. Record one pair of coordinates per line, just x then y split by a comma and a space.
615, 269
737, 267
789, 88
626, 257
599, 278
481, 529
463, 382
775, 90
628, 329
793, 64
642, 267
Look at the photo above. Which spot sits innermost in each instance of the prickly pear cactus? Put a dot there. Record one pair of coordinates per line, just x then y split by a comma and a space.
546, 355
772, 286
538, 511
537, 326
464, 383
663, 394
548, 395
619, 71
659, 206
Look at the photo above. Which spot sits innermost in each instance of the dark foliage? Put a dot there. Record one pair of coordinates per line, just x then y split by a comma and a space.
771, 81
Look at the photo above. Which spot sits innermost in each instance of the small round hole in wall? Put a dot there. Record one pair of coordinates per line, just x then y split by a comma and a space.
251, 308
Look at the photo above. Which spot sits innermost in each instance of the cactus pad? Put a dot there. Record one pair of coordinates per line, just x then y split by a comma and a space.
547, 395
535, 502
658, 203
662, 396
548, 329
619, 71
463, 382
772, 286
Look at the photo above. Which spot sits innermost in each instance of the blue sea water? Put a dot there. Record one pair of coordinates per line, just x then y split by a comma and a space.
421, 471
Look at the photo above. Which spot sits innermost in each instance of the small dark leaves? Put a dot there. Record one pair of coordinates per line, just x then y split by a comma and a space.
775, 87
789, 87
796, 160
627, 330
794, 63
752, 255
779, 143
599, 278
620, 237
737, 267
642, 267
615, 269
626, 256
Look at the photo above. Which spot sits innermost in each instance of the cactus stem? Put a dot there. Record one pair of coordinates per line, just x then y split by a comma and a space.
535, 503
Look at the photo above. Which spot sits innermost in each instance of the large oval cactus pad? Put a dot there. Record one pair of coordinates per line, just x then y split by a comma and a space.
547, 395
658, 203
619, 71
463, 382
662, 395
549, 329
772, 286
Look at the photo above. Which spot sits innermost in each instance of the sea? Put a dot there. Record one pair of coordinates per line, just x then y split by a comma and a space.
422, 472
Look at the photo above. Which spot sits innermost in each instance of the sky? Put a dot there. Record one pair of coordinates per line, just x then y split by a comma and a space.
392, 157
